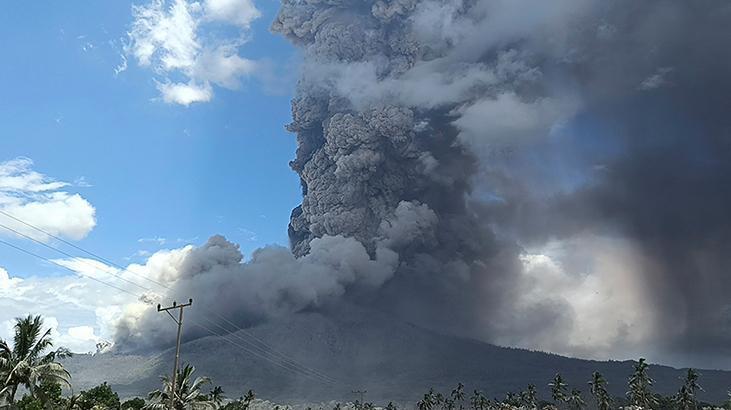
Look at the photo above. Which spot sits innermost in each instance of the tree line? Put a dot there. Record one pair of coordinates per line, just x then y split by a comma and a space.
32, 366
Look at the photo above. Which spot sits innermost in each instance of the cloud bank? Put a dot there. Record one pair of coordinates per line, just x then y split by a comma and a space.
43, 202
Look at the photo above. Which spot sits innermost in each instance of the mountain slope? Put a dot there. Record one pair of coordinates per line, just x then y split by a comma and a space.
393, 360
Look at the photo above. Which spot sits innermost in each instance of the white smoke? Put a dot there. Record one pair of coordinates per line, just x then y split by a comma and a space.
271, 284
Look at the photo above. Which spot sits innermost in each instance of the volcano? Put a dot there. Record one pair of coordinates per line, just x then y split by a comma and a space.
348, 348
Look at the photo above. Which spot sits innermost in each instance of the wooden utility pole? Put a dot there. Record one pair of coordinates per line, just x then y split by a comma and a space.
179, 321
360, 393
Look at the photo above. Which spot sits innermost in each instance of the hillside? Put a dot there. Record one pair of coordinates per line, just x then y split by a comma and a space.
393, 360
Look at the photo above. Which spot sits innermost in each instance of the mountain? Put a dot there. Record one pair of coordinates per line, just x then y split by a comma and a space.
391, 359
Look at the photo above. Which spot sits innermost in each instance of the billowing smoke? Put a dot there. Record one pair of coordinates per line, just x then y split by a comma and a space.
271, 284
552, 175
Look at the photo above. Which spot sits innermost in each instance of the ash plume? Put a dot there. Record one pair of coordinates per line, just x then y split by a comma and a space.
514, 171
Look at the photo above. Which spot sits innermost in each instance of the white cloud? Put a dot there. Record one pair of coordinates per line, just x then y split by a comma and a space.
223, 66
122, 66
81, 182
82, 312
68, 305
169, 38
185, 94
17, 176
239, 12
248, 234
158, 240
43, 202
6, 282
89, 267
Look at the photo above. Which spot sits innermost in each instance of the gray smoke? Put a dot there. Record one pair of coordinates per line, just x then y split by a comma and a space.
532, 121
271, 284
485, 167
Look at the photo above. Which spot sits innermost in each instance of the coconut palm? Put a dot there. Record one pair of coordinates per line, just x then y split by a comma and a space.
558, 389
529, 397
686, 397
216, 396
640, 384
691, 382
479, 401
575, 401
512, 399
188, 395
439, 399
428, 401
29, 362
598, 387
457, 395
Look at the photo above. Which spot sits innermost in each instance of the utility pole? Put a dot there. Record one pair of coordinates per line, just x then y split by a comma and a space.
360, 394
179, 321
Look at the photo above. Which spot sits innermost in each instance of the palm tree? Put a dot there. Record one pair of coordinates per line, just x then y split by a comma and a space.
598, 387
639, 386
216, 396
249, 396
683, 399
28, 363
686, 397
479, 401
512, 399
458, 395
188, 394
575, 401
428, 402
439, 399
558, 389
529, 397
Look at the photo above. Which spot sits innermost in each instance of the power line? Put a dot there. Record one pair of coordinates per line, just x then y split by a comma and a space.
263, 343
65, 267
60, 239
84, 261
224, 337
284, 359
261, 346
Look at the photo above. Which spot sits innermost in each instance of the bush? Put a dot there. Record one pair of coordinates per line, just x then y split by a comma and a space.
133, 404
102, 396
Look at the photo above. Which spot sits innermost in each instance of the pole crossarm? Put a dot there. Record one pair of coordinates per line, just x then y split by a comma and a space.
179, 322
174, 306
360, 393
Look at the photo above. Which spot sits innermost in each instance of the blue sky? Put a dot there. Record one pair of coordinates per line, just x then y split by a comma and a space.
95, 149
156, 169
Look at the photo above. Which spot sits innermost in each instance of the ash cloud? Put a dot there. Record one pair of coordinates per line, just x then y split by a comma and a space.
512, 171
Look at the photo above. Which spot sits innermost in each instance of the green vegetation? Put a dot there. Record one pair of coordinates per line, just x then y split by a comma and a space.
133, 404
30, 367
598, 387
29, 362
187, 395
100, 396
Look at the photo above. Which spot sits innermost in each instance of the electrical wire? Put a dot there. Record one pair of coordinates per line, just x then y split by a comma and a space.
279, 360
